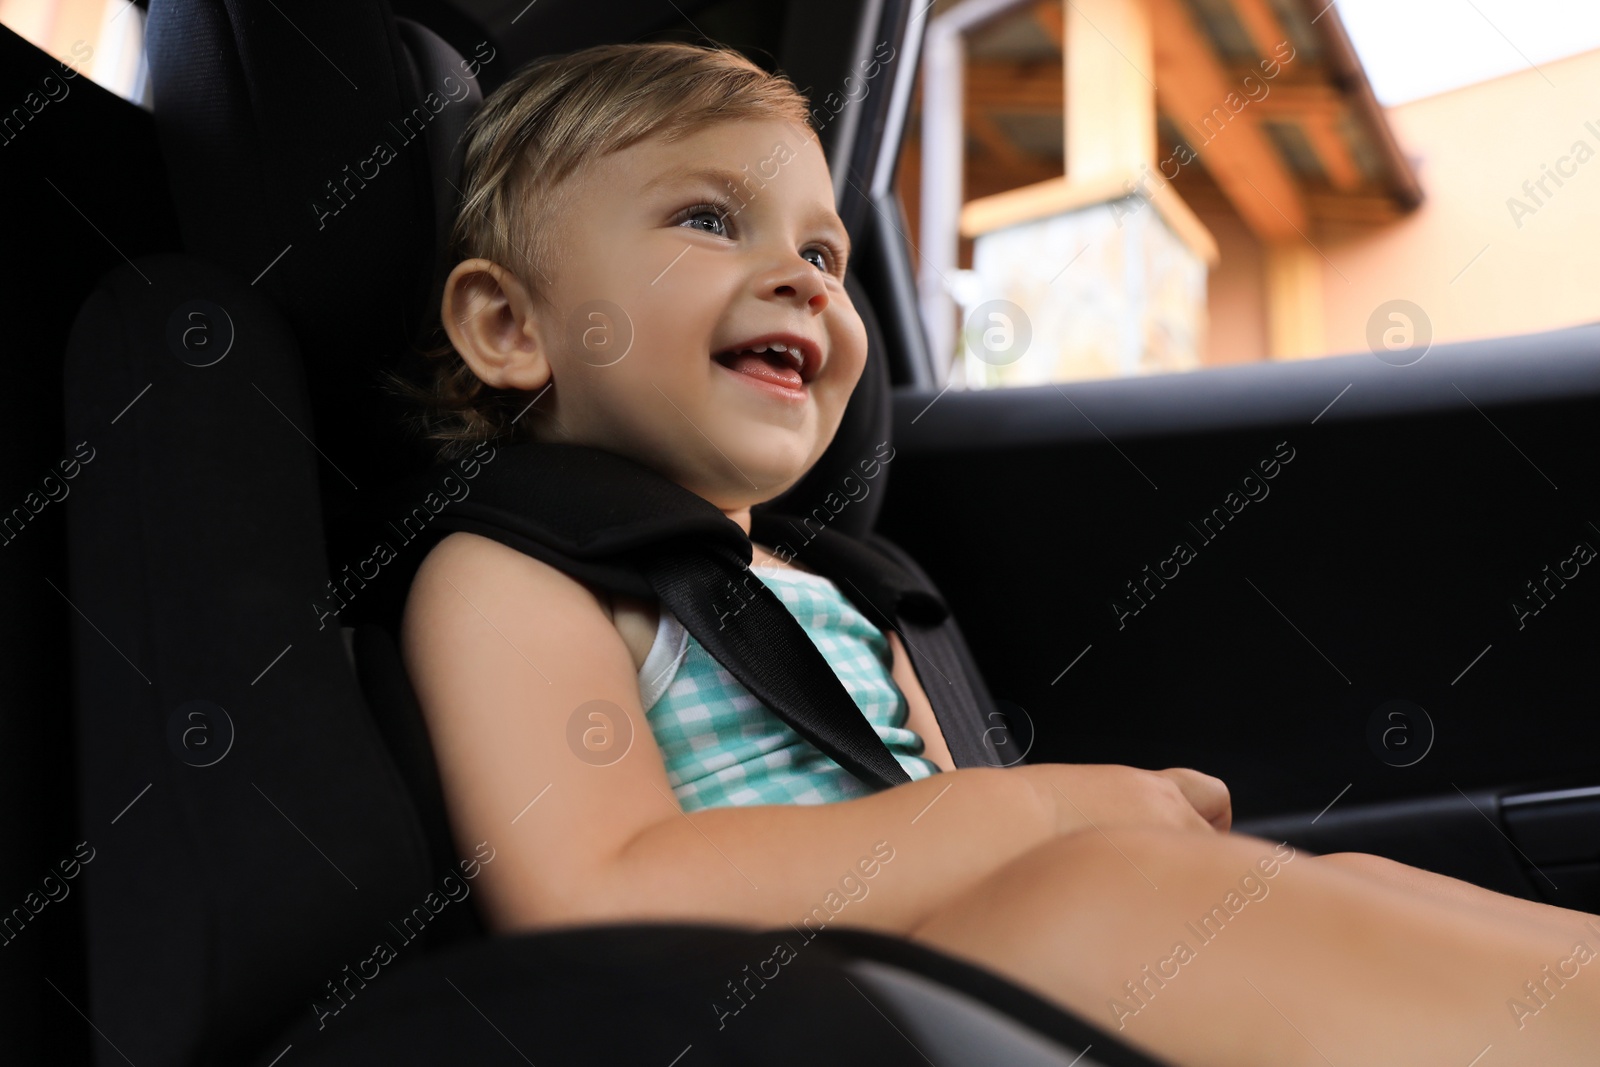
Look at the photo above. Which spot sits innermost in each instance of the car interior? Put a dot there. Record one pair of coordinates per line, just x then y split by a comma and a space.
1354, 591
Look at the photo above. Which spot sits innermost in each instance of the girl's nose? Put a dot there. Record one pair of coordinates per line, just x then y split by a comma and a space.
801, 283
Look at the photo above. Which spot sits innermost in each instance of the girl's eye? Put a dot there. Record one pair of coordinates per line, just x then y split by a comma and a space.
707, 218
831, 257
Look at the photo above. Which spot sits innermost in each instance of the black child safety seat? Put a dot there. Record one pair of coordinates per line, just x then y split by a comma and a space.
273, 879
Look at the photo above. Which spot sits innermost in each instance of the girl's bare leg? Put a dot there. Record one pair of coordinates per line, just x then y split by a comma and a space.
1184, 945
1442, 887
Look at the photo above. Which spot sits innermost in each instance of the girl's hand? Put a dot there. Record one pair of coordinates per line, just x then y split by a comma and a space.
1098, 795
1208, 796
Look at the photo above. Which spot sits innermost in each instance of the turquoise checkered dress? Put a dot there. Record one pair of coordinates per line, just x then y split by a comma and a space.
723, 747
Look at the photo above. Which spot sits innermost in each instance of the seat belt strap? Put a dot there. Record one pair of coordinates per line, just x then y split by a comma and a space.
887, 586
757, 640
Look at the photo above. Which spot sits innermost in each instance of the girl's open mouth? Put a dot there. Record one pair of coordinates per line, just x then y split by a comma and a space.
770, 371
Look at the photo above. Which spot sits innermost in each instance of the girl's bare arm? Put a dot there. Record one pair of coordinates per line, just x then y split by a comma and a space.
514, 663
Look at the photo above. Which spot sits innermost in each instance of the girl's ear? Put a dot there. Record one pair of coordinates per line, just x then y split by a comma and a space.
494, 323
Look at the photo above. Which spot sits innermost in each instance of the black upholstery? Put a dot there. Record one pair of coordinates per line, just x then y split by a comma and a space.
648, 993
73, 157
269, 114
433, 66
233, 883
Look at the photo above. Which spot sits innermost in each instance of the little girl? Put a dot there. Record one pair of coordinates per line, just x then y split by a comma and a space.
648, 262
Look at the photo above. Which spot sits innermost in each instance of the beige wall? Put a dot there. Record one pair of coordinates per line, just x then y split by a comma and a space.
1475, 147
54, 25
1236, 289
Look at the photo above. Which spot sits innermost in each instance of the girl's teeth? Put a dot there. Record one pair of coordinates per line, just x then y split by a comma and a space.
794, 354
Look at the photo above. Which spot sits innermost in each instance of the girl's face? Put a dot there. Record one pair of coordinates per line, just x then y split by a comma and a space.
661, 268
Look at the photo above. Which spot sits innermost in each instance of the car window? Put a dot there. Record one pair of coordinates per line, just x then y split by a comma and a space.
1110, 189
102, 39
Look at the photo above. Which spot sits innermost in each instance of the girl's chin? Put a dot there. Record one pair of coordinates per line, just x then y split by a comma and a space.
732, 459
747, 482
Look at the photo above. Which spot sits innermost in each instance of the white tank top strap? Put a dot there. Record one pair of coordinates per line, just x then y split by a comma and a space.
661, 663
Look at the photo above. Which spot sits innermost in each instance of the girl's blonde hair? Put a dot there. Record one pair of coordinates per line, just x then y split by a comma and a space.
524, 147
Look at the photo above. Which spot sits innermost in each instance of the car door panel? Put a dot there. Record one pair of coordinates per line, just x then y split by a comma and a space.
1310, 579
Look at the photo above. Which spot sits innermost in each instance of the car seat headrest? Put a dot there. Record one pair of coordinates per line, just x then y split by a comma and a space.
440, 74
318, 174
